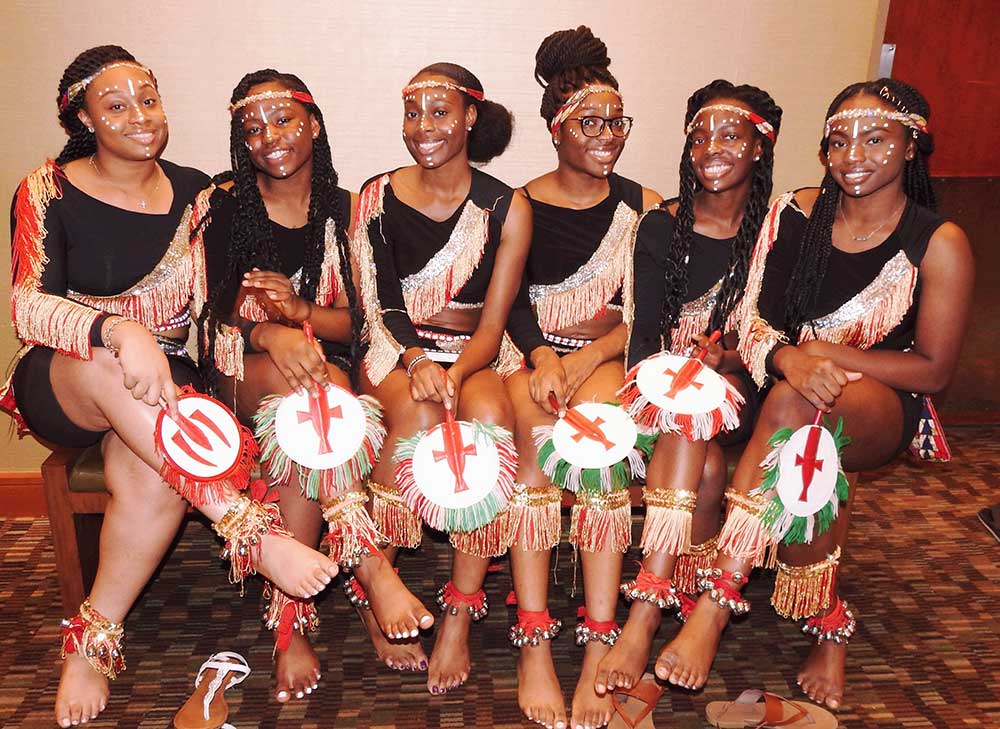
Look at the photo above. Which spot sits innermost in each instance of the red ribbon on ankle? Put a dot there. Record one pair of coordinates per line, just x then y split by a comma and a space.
687, 604
832, 621
72, 633
596, 626
285, 628
453, 597
530, 620
649, 583
357, 589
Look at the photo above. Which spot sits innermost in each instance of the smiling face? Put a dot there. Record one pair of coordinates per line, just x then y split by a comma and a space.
724, 146
596, 156
123, 108
870, 151
436, 122
279, 132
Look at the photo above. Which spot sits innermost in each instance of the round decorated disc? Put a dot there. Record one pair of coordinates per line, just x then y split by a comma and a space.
703, 394
435, 478
320, 431
807, 479
594, 435
204, 443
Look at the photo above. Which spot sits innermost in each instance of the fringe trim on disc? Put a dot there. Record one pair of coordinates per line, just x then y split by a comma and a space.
698, 557
353, 535
703, 426
535, 517
601, 521
783, 525
667, 528
286, 615
394, 519
802, 592
473, 517
594, 480
319, 483
744, 536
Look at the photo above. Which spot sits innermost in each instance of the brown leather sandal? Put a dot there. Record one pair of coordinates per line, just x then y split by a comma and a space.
775, 711
634, 706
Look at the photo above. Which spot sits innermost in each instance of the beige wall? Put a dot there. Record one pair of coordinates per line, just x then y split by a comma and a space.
357, 55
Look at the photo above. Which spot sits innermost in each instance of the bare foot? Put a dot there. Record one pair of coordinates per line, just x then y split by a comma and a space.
450, 664
295, 568
687, 659
296, 669
401, 655
538, 691
625, 663
822, 675
590, 710
83, 692
400, 615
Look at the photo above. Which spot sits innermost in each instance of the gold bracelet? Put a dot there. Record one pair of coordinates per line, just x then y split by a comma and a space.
106, 335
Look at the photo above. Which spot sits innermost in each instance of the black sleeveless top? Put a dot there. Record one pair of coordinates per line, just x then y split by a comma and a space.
707, 263
290, 243
404, 241
848, 274
562, 241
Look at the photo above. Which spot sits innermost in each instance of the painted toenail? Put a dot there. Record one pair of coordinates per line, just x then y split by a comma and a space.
299, 694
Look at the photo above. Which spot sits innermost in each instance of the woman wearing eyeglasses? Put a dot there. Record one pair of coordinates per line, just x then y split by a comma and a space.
567, 321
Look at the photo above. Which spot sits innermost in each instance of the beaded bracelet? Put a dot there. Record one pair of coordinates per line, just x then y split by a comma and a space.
414, 362
106, 335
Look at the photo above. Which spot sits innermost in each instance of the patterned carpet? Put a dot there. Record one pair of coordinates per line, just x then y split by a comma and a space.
924, 573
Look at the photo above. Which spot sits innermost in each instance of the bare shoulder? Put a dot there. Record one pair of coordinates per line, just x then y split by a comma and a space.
805, 199
650, 198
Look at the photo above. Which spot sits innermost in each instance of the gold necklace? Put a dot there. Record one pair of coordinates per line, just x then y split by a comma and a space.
863, 238
141, 202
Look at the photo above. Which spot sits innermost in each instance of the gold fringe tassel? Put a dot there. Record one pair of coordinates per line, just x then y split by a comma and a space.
491, 540
353, 535
401, 527
667, 528
534, 517
744, 536
200, 209
330, 283
99, 641
601, 521
229, 351
582, 296
802, 592
698, 557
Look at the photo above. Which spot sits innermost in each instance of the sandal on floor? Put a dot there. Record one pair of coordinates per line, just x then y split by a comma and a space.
207, 707
634, 706
775, 711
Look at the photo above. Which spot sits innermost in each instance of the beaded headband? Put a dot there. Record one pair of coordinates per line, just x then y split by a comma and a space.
763, 126
410, 88
573, 102
300, 96
76, 88
914, 121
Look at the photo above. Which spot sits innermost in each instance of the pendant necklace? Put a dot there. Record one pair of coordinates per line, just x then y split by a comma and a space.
141, 202
863, 238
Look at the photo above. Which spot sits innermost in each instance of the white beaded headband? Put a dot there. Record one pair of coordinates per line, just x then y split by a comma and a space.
300, 96
763, 126
573, 102
76, 88
914, 121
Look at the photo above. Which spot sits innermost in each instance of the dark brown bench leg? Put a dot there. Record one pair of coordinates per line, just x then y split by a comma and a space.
55, 480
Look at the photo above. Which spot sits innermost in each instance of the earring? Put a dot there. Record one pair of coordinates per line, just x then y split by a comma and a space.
468, 129
90, 129
757, 158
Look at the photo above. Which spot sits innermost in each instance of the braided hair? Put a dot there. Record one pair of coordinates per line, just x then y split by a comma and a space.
567, 61
82, 142
754, 210
252, 242
817, 240
494, 125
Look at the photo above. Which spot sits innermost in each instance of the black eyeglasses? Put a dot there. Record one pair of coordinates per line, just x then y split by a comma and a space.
593, 126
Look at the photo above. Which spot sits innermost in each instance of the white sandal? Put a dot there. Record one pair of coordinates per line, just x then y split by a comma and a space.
207, 707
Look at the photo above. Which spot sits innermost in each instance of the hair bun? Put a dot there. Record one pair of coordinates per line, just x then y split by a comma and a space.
568, 49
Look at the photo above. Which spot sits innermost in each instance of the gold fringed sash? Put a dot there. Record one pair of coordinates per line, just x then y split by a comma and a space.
694, 319
42, 318
229, 348
428, 291
588, 290
330, 283
383, 349
802, 592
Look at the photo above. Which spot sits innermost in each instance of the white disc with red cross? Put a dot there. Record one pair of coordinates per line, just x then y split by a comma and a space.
460, 482
320, 430
594, 435
657, 380
808, 465
204, 442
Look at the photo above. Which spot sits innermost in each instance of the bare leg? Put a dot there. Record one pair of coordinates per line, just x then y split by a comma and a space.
483, 398
538, 692
873, 418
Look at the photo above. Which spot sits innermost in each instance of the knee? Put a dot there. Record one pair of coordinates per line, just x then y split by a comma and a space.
131, 481
496, 411
784, 407
407, 419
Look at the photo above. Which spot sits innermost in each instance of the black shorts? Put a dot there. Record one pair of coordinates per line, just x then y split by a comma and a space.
40, 409
913, 408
